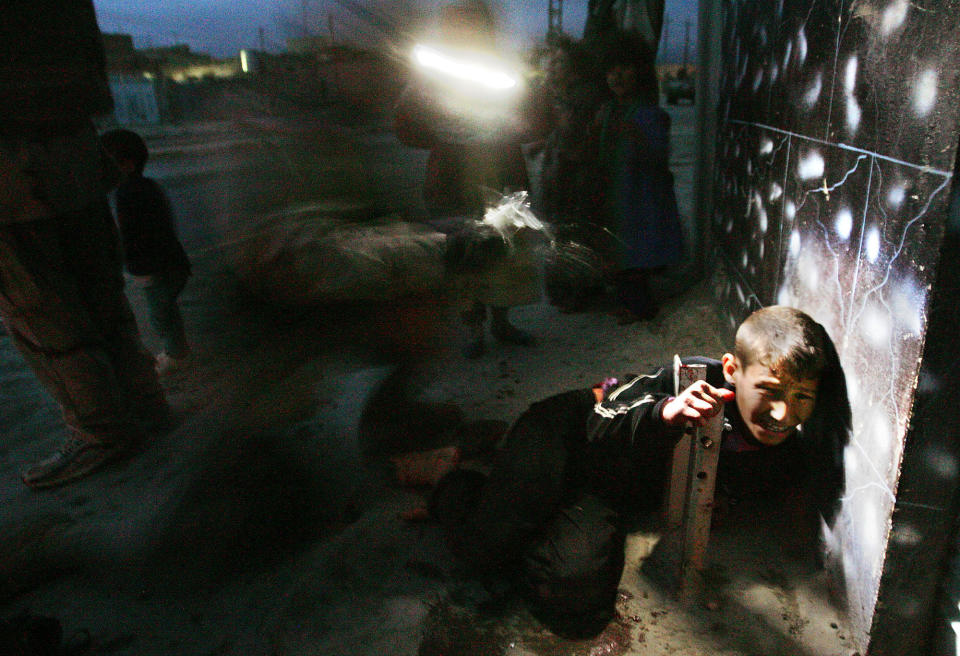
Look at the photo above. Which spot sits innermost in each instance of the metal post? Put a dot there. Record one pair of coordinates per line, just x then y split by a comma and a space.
680, 556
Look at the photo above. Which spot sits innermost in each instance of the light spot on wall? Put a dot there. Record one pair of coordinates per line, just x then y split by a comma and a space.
906, 303
907, 535
851, 461
790, 210
774, 73
850, 75
876, 327
871, 526
776, 191
844, 223
893, 16
760, 250
766, 146
810, 166
873, 244
749, 167
925, 92
801, 47
813, 91
895, 196
758, 79
794, 243
743, 299
809, 271
849, 84
853, 114
786, 54
729, 226
941, 462
785, 297
761, 213
744, 259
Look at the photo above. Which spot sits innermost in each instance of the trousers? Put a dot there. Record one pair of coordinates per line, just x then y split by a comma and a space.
534, 519
63, 304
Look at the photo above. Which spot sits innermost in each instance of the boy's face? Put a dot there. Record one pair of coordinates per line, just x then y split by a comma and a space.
772, 405
622, 80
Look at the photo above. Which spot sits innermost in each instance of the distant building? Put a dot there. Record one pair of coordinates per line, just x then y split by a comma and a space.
180, 64
137, 99
120, 54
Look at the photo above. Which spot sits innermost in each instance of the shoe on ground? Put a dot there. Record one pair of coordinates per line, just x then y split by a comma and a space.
75, 459
510, 334
166, 364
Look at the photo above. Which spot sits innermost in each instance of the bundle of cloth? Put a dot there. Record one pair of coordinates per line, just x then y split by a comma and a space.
323, 253
327, 253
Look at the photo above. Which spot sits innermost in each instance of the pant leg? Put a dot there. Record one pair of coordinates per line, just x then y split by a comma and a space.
633, 292
163, 311
571, 574
61, 297
491, 522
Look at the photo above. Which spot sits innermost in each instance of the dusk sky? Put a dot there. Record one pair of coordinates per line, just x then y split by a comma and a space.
222, 27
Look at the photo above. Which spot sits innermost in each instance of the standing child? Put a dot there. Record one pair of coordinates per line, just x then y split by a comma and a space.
640, 202
152, 252
574, 467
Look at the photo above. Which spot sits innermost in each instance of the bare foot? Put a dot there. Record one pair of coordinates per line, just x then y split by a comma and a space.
426, 467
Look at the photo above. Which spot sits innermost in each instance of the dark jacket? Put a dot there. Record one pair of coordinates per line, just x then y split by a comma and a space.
147, 231
629, 422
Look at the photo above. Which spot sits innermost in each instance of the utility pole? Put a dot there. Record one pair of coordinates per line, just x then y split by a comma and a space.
665, 39
686, 43
554, 18
260, 36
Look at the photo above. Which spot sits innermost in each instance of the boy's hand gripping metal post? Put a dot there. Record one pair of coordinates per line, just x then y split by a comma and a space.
681, 554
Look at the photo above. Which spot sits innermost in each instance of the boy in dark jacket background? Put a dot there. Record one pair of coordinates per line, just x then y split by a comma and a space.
152, 251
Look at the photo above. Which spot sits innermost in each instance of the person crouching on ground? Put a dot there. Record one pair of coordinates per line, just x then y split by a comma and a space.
552, 513
153, 254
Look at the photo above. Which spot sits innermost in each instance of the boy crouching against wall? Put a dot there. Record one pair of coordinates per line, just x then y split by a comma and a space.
551, 511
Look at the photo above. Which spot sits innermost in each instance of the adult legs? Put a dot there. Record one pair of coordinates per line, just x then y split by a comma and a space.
633, 292
61, 297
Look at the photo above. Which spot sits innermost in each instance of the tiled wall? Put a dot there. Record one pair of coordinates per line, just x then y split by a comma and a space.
838, 127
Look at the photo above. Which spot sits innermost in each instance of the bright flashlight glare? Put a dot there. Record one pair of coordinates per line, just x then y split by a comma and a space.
470, 71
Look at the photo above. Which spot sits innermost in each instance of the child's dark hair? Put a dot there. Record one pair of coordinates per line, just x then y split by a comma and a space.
126, 145
789, 341
630, 49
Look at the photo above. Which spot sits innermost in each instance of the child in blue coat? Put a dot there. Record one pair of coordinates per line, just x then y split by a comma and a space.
640, 204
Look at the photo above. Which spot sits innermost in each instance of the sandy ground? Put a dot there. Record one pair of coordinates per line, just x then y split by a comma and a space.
266, 522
